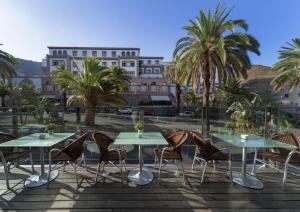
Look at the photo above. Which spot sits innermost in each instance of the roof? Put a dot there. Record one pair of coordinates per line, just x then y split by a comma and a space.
151, 57
93, 48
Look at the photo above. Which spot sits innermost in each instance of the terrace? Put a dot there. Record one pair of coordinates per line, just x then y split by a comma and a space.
217, 192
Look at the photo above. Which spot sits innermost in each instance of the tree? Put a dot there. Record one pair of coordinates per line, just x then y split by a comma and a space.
4, 91
288, 67
173, 78
231, 91
213, 48
192, 99
6, 65
95, 85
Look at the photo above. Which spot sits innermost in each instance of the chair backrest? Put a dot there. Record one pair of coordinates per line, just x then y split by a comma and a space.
75, 149
102, 141
4, 138
177, 139
289, 138
204, 147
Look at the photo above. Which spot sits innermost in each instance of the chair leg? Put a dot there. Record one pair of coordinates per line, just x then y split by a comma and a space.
193, 164
159, 172
254, 161
98, 170
155, 160
285, 175
124, 164
204, 169
8, 167
183, 174
5, 169
230, 169
121, 167
83, 160
64, 166
214, 165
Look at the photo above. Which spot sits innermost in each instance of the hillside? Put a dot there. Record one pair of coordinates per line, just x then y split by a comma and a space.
28, 68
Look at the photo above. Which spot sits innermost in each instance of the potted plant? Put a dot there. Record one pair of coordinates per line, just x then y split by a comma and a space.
139, 126
230, 126
50, 128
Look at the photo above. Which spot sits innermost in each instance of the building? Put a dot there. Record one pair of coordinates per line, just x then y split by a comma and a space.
148, 80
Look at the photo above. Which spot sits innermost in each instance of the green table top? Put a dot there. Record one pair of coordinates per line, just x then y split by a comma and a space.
148, 138
33, 140
252, 141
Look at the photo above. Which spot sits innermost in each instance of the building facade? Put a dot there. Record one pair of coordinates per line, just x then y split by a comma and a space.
148, 79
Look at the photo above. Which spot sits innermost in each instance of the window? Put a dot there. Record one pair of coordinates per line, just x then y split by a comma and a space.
157, 71
104, 64
132, 64
59, 52
113, 54
74, 64
127, 54
148, 62
55, 63
124, 64
298, 94
286, 95
149, 70
123, 54
74, 53
55, 52
75, 72
133, 54
113, 63
156, 61
84, 53
153, 83
104, 53
65, 52
94, 53
141, 62
50, 87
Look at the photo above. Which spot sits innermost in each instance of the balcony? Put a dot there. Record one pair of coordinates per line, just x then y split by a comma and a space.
149, 90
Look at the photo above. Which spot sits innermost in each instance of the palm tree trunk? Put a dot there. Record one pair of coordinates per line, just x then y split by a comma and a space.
89, 114
3, 101
178, 91
205, 110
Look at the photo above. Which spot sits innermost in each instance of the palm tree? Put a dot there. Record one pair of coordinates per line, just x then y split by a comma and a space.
231, 91
95, 85
6, 65
288, 67
192, 99
173, 78
213, 48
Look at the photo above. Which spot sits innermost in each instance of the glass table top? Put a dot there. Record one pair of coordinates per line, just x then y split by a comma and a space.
251, 141
33, 140
147, 138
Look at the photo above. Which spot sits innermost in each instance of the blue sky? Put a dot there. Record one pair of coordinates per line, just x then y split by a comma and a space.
28, 27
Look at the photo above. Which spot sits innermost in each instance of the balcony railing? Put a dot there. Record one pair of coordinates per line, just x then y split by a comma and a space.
149, 90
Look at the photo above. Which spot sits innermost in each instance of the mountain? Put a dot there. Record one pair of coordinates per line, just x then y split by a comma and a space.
28, 68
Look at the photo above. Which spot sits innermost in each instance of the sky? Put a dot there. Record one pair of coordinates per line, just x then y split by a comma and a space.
27, 27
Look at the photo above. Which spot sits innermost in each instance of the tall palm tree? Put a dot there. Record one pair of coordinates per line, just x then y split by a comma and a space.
288, 67
95, 85
173, 78
213, 48
6, 65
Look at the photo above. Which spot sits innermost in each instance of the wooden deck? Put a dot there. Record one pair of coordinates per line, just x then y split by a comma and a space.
216, 193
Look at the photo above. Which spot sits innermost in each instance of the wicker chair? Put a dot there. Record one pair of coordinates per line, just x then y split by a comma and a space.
106, 155
70, 154
280, 155
172, 152
9, 155
206, 152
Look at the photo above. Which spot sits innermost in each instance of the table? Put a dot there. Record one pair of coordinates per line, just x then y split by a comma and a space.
244, 179
140, 176
33, 141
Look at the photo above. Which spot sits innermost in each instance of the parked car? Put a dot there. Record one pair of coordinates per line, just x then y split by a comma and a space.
148, 112
188, 114
126, 111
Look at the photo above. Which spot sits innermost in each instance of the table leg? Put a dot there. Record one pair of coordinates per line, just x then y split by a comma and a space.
245, 179
140, 176
39, 179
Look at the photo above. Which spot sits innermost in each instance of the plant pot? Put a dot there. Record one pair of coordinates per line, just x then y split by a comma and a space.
139, 133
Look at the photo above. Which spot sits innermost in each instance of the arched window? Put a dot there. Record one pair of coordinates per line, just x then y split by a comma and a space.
55, 52
127, 54
64, 52
59, 52
133, 54
123, 54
